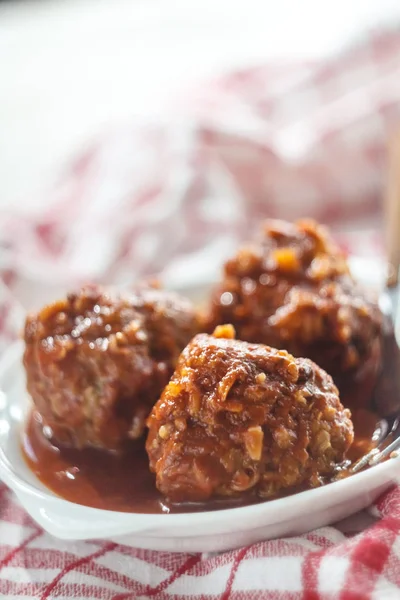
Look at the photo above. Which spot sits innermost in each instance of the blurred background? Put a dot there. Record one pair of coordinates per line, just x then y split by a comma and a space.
146, 136
71, 67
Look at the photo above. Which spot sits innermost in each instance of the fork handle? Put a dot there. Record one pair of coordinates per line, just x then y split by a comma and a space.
392, 210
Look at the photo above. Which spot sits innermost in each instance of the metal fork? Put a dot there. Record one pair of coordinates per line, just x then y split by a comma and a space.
378, 455
387, 393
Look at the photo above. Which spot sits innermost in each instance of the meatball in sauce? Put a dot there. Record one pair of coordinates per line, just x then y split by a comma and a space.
292, 289
239, 417
98, 360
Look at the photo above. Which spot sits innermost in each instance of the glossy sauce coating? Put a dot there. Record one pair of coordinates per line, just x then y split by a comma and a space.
97, 361
238, 417
124, 483
100, 479
292, 289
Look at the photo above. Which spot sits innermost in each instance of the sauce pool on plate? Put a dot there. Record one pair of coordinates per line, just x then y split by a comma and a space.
104, 480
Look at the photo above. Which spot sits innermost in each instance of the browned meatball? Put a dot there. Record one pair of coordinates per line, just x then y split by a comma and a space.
97, 361
239, 417
293, 290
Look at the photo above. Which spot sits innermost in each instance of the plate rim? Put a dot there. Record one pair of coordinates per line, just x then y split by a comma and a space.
342, 488
292, 501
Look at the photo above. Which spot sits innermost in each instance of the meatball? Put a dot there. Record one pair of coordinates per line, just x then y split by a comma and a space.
293, 290
97, 361
239, 417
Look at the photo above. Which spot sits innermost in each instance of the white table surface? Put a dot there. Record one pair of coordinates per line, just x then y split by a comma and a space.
70, 68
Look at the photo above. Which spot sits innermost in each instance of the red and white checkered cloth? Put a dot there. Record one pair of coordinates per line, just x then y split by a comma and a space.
324, 564
279, 140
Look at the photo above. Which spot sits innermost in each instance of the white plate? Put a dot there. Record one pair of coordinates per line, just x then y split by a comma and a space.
196, 532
